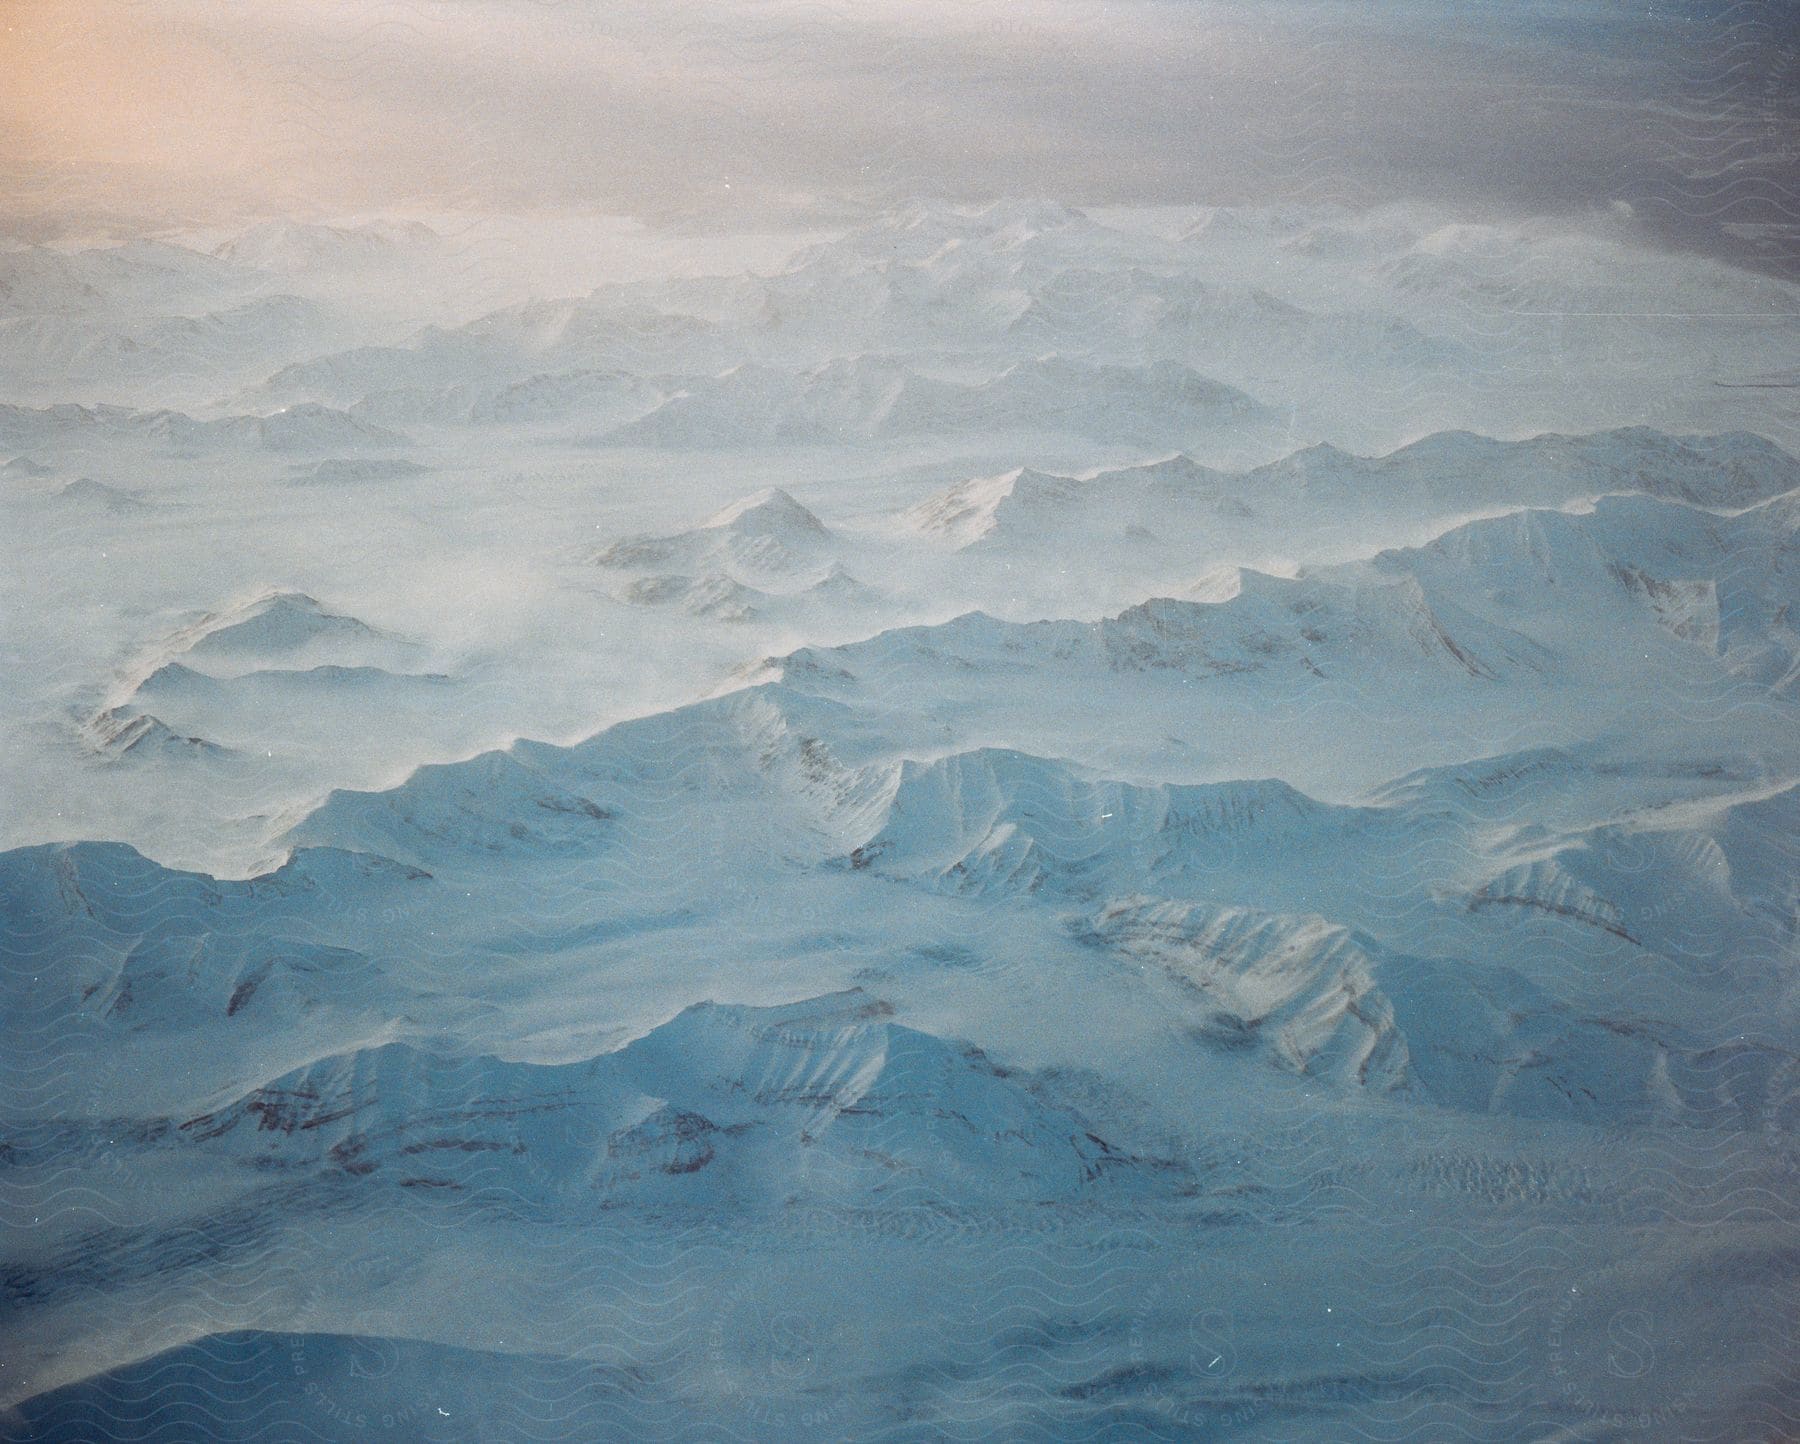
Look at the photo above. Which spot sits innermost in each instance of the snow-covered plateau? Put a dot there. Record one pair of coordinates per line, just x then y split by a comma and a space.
1018, 823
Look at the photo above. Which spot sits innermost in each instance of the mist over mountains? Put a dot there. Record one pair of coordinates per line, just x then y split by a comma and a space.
952, 821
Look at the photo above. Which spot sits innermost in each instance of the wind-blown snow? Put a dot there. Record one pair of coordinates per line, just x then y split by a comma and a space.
1022, 824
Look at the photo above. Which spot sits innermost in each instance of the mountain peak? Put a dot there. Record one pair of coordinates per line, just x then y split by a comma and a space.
767, 510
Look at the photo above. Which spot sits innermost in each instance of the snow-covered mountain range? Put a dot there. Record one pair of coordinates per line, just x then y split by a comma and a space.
1024, 823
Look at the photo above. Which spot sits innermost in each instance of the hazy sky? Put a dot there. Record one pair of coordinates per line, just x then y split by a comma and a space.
205, 109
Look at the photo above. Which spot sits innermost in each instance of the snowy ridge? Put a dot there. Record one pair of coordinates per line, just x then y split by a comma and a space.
752, 756
764, 557
768, 533
300, 428
278, 625
111, 357
1448, 476
865, 397
121, 732
41, 280
274, 668
748, 1106
1318, 999
292, 246
85, 492
1002, 821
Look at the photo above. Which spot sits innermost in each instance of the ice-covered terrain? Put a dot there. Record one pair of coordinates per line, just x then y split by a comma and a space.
1016, 823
